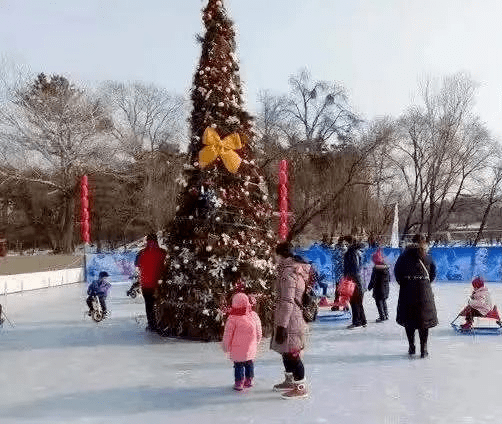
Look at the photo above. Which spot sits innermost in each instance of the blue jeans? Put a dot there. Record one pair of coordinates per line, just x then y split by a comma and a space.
242, 369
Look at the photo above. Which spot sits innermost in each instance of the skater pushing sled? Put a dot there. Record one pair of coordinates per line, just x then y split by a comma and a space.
479, 305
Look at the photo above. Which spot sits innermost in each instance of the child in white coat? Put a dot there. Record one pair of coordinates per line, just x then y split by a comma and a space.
479, 303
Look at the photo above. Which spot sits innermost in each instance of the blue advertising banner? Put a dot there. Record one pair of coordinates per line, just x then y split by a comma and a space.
453, 263
119, 265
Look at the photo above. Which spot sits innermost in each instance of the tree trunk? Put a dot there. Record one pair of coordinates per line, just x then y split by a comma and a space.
66, 238
483, 223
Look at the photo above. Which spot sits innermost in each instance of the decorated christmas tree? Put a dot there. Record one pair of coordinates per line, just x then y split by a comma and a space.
221, 239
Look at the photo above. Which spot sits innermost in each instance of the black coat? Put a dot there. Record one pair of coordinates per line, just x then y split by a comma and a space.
352, 263
379, 282
415, 307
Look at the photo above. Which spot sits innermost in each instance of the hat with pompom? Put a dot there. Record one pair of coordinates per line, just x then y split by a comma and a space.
378, 258
478, 282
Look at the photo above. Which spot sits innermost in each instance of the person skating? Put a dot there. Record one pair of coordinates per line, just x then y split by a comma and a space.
379, 283
416, 309
99, 288
352, 270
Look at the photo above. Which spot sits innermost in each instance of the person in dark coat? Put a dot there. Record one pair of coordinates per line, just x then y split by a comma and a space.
416, 309
379, 283
352, 269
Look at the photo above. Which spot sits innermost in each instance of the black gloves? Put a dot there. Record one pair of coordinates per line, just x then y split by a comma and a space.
281, 334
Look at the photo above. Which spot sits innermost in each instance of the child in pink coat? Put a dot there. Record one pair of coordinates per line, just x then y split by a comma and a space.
241, 338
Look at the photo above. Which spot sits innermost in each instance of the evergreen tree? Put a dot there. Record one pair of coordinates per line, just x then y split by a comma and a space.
222, 228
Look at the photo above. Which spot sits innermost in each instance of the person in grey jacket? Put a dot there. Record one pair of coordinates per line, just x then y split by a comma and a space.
416, 310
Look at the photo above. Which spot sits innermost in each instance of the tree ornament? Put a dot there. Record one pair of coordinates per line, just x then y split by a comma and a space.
215, 147
85, 226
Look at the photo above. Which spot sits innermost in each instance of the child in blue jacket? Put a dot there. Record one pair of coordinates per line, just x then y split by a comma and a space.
100, 288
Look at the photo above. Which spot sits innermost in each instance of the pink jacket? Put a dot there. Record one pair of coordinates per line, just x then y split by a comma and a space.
292, 277
480, 300
242, 332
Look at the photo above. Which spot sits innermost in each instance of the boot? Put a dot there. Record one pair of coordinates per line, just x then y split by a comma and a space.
423, 351
239, 385
287, 384
299, 391
248, 382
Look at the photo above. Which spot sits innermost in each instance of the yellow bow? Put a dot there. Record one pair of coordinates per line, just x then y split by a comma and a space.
224, 148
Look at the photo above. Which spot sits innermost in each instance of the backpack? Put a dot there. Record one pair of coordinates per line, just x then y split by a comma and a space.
309, 304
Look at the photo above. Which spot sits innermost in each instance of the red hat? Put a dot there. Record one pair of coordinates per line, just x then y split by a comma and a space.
377, 257
478, 282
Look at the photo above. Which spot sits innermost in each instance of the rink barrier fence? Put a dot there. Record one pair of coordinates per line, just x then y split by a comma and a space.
453, 264
38, 280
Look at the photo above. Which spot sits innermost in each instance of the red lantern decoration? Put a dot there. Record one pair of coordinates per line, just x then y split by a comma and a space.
283, 200
85, 227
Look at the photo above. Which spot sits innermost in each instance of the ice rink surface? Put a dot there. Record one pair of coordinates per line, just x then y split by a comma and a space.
58, 366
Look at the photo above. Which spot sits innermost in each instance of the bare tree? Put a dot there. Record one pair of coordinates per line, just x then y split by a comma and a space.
383, 193
492, 195
148, 123
442, 146
57, 127
317, 112
270, 120
331, 183
145, 117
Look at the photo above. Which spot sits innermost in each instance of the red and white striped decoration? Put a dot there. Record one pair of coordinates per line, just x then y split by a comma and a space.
283, 200
85, 227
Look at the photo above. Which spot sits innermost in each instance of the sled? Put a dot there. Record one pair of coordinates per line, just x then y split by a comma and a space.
343, 294
489, 324
334, 316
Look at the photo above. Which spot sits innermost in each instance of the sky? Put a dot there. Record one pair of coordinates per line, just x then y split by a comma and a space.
378, 50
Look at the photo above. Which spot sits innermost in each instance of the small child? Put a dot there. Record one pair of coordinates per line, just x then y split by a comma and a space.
100, 288
478, 305
241, 337
344, 291
379, 282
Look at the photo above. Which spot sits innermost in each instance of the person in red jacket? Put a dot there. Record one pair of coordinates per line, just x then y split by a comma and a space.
150, 262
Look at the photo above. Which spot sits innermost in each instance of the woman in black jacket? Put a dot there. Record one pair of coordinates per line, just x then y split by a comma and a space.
416, 310
352, 269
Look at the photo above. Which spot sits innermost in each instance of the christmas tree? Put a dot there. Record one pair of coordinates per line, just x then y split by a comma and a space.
221, 239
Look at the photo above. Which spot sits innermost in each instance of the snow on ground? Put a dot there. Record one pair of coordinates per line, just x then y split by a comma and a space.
58, 366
